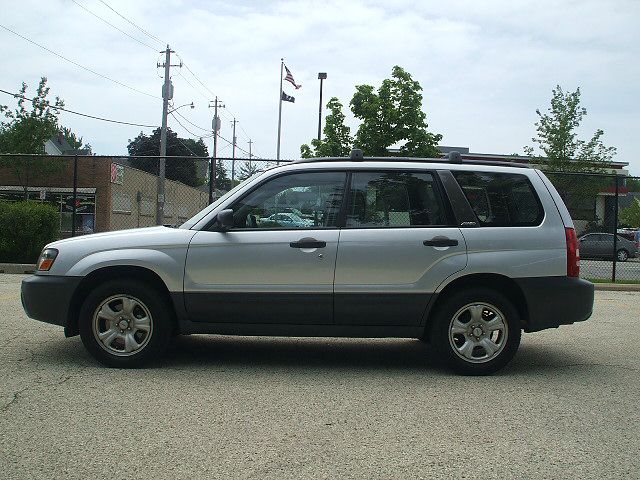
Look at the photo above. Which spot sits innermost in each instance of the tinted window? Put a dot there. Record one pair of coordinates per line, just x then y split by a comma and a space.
296, 201
501, 199
394, 199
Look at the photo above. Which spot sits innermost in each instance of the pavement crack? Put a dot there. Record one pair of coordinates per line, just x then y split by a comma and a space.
14, 399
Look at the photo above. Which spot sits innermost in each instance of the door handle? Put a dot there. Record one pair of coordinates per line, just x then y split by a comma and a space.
308, 242
441, 242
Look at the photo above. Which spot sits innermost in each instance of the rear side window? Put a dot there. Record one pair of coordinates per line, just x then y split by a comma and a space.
394, 199
501, 199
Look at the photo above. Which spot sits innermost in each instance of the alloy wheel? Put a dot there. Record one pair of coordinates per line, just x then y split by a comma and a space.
478, 332
122, 325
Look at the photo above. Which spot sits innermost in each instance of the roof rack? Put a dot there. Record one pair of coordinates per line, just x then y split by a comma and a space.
453, 158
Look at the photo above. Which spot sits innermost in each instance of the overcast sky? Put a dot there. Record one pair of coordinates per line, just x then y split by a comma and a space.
484, 66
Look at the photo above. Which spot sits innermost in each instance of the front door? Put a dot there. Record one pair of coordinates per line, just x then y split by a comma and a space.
397, 246
276, 265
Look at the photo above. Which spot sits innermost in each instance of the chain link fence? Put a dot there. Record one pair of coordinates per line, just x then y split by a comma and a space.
103, 193
605, 209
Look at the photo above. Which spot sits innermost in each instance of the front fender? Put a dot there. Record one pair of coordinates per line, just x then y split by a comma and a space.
168, 265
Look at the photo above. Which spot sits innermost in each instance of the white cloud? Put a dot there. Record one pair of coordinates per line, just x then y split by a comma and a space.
484, 66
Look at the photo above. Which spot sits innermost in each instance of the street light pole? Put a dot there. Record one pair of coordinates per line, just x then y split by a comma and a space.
322, 76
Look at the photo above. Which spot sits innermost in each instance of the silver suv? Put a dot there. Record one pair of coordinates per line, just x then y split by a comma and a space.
462, 255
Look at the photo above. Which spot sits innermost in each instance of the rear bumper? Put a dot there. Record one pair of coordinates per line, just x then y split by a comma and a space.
555, 301
47, 297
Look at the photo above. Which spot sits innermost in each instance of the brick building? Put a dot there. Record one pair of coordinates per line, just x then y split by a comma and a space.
110, 196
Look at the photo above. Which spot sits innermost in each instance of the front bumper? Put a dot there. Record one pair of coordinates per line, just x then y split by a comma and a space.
555, 301
48, 297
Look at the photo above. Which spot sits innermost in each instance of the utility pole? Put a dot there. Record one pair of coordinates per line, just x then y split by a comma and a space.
233, 155
249, 142
167, 94
215, 126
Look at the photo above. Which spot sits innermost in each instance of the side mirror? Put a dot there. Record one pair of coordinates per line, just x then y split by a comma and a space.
224, 220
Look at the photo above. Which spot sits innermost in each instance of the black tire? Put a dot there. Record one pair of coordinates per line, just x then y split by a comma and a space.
161, 321
622, 255
443, 321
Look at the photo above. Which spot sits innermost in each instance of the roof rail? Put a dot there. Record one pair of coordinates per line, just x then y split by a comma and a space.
453, 158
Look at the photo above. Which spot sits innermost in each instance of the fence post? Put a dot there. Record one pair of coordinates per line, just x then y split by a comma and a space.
615, 232
74, 207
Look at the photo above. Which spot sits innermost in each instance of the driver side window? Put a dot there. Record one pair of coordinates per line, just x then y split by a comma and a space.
296, 201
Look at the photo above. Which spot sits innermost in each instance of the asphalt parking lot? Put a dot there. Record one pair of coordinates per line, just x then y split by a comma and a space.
567, 407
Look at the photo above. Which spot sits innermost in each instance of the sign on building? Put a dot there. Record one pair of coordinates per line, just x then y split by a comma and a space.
117, 173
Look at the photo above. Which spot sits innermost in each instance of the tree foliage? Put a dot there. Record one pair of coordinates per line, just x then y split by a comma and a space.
180, 169
75, 141
247, 169
26, 130
558, 142
393, 116
337, 141
223, 182
631, 215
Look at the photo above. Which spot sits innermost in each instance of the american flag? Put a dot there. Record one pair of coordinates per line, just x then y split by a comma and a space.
289, 78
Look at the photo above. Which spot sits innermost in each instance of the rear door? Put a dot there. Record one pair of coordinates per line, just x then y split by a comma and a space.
397, 245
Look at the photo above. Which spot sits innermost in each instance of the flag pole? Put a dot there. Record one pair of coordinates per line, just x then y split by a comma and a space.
279, 111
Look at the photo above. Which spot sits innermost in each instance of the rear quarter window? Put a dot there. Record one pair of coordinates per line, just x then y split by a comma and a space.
501, 199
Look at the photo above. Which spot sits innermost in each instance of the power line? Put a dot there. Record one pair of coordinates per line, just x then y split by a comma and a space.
194, 76
190, 122
191, 85
17, 95
153, 37
79, 65
112, 25
179, 123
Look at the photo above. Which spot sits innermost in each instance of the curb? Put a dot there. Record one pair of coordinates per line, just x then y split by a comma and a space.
19, 268
617, 287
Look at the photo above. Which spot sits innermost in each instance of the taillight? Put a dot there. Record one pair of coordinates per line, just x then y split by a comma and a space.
573, 253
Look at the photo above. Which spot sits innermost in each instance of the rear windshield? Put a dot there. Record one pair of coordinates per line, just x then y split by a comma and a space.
501, 199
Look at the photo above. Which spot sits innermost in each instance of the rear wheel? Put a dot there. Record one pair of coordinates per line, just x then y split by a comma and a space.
476, 332
125, 324
622, 255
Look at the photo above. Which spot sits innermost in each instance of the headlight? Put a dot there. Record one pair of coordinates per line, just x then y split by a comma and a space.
47, 257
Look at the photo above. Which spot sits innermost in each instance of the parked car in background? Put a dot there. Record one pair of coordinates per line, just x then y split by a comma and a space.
600, 246
631, 234
287, 220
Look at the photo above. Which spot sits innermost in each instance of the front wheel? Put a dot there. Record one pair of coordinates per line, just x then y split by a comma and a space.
476, 332
125, 323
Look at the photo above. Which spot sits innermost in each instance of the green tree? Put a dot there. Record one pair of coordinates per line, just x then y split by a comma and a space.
184, 169
393, 116
630, 216
223, 182
248, 169
633, 184
560, 150
26, 130
337, 141
74, 140
557, 139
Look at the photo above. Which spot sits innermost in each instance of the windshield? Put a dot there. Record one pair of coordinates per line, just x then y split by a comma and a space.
205, 211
